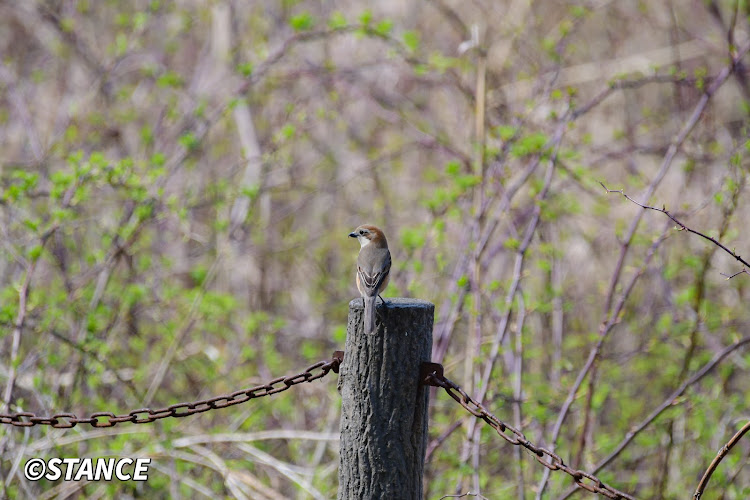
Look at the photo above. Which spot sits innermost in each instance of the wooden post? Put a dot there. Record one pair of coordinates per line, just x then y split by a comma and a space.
383, 405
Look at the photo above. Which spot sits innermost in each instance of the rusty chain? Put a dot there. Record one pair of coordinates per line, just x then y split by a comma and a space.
178, 410
432, 374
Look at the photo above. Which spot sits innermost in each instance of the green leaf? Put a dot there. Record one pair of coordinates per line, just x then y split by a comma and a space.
467, 181
302, 22
139, 20
189, 141
384, 27
441, 63
512, 244
339, 333
337, 20
32, 224
505, 132
365, 18
245, 69
198, 275
411, 40
453, 168
413, 238
158, 159
578, 11
288, 131
169, 79
67, 24
530, 144
250, 191
35, 252
121, 44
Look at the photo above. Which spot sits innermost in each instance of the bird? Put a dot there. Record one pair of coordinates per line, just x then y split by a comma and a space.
373, 268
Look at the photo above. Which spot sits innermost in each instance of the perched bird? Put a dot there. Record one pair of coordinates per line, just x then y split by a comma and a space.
373, 268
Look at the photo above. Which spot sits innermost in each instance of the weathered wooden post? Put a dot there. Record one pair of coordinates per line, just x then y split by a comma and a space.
383, 405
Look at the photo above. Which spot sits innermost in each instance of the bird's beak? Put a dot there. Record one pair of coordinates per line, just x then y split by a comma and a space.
353, 235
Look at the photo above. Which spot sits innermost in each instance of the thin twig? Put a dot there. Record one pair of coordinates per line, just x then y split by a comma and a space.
20, 321
463, 495
435, 443
664, 473
23, 295
730, 276
715, 463
518, 389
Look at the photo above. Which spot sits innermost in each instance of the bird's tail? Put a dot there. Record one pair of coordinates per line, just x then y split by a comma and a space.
370, 313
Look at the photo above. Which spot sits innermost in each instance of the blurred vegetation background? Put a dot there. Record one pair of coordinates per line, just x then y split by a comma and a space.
177, 181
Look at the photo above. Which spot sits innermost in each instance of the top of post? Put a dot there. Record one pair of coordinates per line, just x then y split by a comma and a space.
396, 303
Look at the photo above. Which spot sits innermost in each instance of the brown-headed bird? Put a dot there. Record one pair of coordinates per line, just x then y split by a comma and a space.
373, 268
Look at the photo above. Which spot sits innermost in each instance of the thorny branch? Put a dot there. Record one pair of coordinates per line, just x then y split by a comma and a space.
683, 227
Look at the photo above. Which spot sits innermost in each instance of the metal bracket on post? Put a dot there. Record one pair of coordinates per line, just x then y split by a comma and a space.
429, 371
337, 356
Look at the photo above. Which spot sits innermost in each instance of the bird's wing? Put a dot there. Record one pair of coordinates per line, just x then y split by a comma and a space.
373, 269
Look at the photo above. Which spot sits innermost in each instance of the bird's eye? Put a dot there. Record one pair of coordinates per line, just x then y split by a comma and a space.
361, 231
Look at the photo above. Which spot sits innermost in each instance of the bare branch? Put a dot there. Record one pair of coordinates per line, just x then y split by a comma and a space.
464, 495
683, 227
715, 463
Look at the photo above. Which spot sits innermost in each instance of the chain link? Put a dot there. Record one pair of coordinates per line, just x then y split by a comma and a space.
178, 410
432, 374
